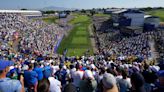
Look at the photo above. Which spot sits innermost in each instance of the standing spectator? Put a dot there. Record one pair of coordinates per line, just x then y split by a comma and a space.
124, 83
160, 83
7, 84
30, 78
137, 81
55, 85
88, 84
39, 71
70, 87
78, 75
47, 71
109, 83
119, 72
43, 85
61, 74
54, 67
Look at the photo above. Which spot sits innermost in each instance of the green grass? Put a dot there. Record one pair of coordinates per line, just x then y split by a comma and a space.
102, 15
76, 52
79, 19
50, 19
78, 41
81, 32
159, 13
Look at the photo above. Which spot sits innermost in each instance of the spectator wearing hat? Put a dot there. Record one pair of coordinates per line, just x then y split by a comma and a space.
88, 84
109, 83
7, 84
12, 73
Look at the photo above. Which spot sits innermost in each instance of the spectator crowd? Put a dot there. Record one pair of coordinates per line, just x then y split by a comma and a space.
27, 66
24, 34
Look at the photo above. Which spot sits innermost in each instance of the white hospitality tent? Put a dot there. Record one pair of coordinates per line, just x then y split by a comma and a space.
28, 13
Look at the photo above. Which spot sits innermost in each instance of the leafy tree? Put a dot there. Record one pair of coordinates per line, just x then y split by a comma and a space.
49, 12
23, 9
83, 11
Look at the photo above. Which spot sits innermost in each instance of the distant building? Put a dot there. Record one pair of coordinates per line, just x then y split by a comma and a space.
98, 10
109, 11
117, 14
135, 17
62, 15
153, 20
28, 13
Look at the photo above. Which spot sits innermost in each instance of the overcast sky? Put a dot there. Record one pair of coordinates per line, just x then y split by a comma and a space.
37, 4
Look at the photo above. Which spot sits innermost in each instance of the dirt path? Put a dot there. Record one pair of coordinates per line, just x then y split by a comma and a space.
93, 42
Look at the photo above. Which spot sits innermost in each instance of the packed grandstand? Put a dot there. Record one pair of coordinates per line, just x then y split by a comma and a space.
29, 61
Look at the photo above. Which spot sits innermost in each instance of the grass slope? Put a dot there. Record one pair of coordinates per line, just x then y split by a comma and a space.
158, 12
102, 15
78, 41
50, 19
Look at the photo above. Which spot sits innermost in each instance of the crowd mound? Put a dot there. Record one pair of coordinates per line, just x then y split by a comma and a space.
138, 46
27, 66
21, 33
112, 42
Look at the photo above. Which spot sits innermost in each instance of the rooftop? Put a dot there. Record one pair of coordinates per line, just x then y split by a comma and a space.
19, 11
119, 11
150, 16
127, 11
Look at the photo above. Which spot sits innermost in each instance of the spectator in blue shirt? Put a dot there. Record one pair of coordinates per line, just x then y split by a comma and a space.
61, 75
7, 84
39, 71
30, 78
47, 72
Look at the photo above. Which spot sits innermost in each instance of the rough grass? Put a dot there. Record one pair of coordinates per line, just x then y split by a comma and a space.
78, 41
102, 15
158, 12
50, 19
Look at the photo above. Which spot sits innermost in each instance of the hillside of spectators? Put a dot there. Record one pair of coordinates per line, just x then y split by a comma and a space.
31, 35
26, 66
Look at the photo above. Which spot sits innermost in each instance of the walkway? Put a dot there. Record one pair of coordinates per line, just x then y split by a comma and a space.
93, 42
154, 53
